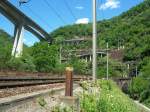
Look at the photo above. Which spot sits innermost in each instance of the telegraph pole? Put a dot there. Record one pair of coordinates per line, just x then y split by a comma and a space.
94, 65
60, 57
136, 71
107, 62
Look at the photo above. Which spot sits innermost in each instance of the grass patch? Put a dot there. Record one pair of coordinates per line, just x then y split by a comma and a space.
108, 99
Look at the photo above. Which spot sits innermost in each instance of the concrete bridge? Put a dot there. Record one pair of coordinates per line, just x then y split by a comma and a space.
82, 54
21, 22
88, 54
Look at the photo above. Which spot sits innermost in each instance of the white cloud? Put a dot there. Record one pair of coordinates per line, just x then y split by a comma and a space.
110, 4
79, 7
82, 21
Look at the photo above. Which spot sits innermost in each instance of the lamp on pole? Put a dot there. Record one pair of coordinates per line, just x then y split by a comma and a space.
94, 65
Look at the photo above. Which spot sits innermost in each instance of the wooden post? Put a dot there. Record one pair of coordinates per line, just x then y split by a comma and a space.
69, 82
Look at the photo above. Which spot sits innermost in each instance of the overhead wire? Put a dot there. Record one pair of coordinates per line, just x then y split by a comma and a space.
54, 10
70, 10
39, 17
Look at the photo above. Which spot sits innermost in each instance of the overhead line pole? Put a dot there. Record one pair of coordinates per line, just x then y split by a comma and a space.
94, 63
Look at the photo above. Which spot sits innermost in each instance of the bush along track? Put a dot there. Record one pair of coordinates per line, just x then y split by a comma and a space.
105, 96
139, 89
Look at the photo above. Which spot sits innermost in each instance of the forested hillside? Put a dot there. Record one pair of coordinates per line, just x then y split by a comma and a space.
131, 29
5, 48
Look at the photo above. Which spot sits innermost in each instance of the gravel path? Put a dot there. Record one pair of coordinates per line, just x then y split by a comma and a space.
21, 90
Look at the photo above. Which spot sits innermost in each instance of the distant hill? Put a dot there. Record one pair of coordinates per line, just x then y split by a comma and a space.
131, 29
5, 38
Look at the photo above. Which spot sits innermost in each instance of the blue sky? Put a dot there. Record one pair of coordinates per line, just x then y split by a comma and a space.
56, 14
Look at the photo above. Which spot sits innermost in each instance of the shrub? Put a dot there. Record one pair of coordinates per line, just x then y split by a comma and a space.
45, 56
147, 102
24, 63
115, 68
80, 66
15, 64
144, 95
137, 86
5, 56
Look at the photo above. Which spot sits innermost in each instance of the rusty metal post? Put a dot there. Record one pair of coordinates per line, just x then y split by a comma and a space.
69, 81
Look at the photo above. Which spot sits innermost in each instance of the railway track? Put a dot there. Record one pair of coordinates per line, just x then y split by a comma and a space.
21, 81
10, 82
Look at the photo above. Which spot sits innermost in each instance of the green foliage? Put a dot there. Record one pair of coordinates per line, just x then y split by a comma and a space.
5, 55
5, 49
147, 102
41, 102
28, 63
24, 63
109, 99
72, 31
140, 87
137, 86
145, 94
60, 68
45, 56
80, 66
15, 64
7, 62
116, 69
90, 102
141, 83
146, 70
62, 108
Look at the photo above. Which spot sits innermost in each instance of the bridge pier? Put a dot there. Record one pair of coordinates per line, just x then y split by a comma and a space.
90, 58
86, 58
18, 42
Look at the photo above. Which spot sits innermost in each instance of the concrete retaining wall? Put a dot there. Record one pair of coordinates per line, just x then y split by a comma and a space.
41, 101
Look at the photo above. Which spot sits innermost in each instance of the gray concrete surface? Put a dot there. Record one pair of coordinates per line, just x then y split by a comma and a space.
142, 107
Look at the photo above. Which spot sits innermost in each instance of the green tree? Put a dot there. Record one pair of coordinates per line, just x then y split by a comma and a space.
45, 56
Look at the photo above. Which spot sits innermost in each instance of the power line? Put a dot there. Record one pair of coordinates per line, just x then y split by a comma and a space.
41, 19
52, 8
70, 10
